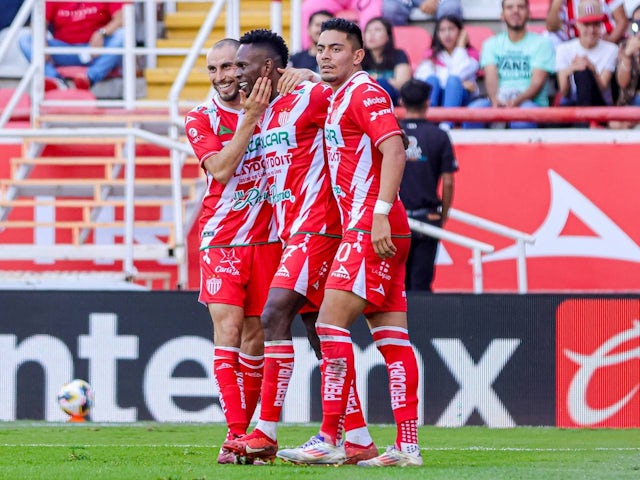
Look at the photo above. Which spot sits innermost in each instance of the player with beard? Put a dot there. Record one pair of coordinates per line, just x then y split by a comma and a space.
366, 161
308, 223
239, 249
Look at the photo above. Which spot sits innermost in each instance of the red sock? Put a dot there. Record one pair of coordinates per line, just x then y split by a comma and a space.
251, 370
402, 367
337, 377
353, 418
226, 372
278, 368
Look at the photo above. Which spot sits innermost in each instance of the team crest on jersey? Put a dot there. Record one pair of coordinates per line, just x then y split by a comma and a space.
213, 285
283, 117
341, 272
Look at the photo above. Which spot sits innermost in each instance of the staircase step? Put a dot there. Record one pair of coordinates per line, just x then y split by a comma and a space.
248, 19
244, 5
177, 60
218, 33
159, 81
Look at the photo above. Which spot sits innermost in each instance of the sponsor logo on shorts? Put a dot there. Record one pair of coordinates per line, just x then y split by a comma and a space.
341, 272
213, 285
379, 289
282, 272
382, 271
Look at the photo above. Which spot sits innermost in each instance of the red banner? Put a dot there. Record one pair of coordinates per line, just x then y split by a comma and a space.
598, 363
578, 200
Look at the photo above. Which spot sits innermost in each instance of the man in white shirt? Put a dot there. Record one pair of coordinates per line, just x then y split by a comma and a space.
585, 65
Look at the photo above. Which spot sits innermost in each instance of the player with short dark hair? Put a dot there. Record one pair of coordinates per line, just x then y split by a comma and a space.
308, 223
366, 159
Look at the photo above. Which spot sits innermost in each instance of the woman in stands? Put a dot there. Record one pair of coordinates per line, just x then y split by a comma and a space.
451, 66
388, 65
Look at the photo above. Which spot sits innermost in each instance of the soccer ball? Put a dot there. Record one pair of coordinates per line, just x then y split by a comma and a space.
76, 398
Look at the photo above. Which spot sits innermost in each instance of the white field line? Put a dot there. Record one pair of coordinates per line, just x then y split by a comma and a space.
426, 449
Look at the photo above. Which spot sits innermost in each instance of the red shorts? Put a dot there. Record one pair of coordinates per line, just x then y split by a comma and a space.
238, 275
304, 267
358, 269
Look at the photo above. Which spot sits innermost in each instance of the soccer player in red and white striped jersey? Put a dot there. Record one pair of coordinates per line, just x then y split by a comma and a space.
239, 249
366, 159
308, 224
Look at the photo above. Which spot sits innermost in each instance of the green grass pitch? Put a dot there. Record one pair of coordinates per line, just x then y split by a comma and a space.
160, 451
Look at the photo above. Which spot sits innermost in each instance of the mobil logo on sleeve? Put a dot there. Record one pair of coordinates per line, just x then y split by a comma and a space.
598, 363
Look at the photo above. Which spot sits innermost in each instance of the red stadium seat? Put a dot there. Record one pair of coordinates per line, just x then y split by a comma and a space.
414, 40
538, 9
478, 34
22, 108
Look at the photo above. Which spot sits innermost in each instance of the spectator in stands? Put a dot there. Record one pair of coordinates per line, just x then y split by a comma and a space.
12, 64
8, 12
398, 11
585, 65
516, 65
628, 71
365, 9
451, 66
562, 14
307, 58
430, 161
388, 65
93, 24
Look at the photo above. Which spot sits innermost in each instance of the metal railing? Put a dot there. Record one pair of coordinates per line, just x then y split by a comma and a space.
521, 239
476, 247
128, 251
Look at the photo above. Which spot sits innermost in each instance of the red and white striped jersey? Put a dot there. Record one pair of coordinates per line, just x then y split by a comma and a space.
294, 159
237, 213
360, 117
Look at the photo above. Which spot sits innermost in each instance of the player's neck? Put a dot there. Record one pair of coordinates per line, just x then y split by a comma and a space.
234, 105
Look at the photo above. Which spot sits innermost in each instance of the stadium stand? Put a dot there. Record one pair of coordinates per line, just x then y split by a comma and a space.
414, 40
182, 27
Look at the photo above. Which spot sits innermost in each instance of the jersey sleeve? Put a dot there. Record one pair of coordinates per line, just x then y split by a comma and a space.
319, 103
373, 112
204, 142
